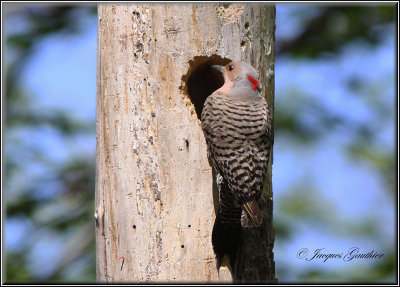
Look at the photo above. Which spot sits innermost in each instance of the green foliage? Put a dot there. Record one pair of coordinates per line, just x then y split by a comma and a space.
54, 198
333, 27
17, 268
290, 120
379, 273
324, 33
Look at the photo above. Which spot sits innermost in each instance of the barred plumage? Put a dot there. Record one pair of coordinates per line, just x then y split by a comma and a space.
237, 128
237, 136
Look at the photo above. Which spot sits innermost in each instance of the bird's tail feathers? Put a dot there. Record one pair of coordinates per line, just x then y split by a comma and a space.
225, 240
251, 215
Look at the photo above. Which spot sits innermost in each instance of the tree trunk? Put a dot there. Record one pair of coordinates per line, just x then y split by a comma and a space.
154, 185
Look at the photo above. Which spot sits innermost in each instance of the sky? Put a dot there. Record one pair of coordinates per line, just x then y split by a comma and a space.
353, 189
62, 74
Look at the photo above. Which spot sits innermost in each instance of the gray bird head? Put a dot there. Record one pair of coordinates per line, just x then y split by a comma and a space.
241, 80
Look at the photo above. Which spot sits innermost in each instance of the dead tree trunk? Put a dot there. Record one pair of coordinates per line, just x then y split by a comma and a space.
154, 186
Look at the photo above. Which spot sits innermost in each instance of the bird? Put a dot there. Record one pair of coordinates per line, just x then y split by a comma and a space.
236, 123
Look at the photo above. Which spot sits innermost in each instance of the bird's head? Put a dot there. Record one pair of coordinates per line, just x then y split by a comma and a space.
240, 80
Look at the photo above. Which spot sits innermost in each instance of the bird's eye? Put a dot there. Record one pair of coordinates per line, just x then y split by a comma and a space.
230, 68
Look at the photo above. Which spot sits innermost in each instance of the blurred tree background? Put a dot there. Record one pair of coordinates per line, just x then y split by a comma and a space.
49, 186
334, 171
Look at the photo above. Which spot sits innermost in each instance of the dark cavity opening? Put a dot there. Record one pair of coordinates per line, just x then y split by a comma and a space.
201, 80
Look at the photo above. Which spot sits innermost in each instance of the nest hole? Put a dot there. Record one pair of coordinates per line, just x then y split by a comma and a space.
201, 80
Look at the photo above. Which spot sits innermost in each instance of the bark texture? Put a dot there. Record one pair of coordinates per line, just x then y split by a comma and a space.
154, 185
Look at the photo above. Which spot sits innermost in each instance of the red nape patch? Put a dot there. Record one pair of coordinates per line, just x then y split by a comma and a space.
254, 82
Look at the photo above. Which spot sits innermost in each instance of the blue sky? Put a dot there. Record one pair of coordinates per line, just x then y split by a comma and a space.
62, 74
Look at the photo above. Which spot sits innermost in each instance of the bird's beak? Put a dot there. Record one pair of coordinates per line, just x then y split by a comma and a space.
218, 67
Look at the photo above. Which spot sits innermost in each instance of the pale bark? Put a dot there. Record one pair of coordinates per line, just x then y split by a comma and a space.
154, 185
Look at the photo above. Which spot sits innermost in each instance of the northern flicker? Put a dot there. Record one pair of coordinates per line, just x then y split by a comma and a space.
237, 128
